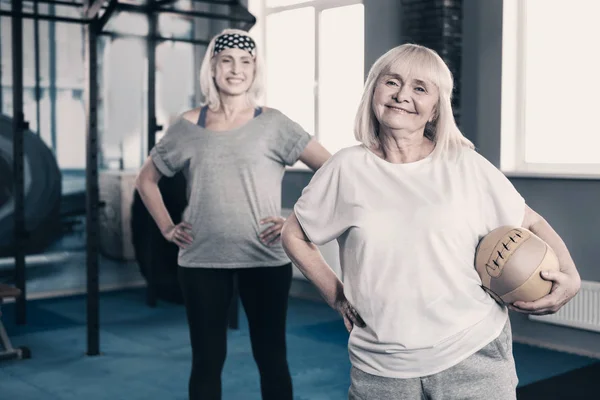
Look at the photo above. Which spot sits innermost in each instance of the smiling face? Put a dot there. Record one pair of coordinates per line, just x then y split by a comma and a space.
233, 71
404, 101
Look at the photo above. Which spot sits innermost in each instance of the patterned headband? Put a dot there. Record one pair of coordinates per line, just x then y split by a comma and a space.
234, 40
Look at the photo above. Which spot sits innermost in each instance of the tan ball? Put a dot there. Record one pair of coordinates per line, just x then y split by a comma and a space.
509, 260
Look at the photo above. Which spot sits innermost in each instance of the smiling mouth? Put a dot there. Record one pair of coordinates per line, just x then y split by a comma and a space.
235, 80
400, 110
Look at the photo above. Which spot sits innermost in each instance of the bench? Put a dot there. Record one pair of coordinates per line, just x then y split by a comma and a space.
7, 351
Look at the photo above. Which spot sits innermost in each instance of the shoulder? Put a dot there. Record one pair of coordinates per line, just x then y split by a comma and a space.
181, 126
191, 115
276, 116
472, 158
344, 158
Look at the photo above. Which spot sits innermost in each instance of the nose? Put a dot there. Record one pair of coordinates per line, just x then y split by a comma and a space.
234, 67
402, 94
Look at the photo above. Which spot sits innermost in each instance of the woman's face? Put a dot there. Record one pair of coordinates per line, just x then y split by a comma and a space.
404, 102
234, 71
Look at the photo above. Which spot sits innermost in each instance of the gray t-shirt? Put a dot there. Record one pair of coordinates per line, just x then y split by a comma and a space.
233, 181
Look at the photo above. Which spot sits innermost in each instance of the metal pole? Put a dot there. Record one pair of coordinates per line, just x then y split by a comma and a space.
36, 44
45, 17
92, 195
1, 99
152, 128
52, 77
19, 125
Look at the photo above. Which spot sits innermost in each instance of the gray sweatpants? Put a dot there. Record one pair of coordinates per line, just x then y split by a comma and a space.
489, 374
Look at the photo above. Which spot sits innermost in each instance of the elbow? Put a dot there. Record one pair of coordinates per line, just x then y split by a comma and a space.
142, 182
286, 235
139, 182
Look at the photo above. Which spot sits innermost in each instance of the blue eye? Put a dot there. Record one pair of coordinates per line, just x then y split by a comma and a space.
391, 83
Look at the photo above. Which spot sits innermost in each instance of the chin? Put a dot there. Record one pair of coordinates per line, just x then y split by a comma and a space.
396, 125
234, 91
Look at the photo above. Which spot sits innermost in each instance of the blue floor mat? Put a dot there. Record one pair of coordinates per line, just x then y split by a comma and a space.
146, 353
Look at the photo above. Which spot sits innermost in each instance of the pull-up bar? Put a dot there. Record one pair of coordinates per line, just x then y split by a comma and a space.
95, 22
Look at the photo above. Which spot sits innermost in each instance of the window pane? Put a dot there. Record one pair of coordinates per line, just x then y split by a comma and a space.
290, 60
124, 63
562, 81
281, 3
341, 74
70, 129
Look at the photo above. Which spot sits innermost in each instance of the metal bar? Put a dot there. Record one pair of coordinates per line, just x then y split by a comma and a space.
208, 15
19, 126
57, 2
103, 20
198, 14
223, 3
52, 95
91, 10
116, 35
1, 90
151, 295
36, 45
164, 2
41, 259
92, 195
45, 17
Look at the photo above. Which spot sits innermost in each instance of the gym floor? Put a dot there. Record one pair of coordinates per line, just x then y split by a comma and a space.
146, 354
146, 351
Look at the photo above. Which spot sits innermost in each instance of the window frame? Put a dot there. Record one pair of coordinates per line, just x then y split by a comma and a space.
513, 137
319, 6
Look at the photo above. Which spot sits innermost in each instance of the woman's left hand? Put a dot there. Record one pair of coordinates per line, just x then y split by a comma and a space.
565, 286
272, 234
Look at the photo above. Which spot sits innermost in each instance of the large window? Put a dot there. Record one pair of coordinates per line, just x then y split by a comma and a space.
314, 55
58, 116
550, 86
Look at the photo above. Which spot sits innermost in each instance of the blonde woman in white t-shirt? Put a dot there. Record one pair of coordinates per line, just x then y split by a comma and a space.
408, 207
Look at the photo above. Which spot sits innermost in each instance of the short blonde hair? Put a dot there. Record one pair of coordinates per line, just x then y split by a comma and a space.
207, 83
411, 60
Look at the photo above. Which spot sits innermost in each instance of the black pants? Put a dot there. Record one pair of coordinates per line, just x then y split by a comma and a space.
264, 293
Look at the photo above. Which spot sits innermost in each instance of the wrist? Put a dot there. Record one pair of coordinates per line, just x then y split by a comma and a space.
166, 229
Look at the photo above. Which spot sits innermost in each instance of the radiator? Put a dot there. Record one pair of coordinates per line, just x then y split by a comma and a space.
583, 311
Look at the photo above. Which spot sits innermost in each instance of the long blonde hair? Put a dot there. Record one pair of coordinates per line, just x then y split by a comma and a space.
411, 58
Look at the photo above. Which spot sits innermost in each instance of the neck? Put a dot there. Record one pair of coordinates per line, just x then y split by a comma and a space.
400, 148
232, 106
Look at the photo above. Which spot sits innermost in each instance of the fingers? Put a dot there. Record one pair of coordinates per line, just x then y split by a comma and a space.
347, 323
181, 235
554, 276
185, 226
355, 317
272, 220
272, 234
548, 304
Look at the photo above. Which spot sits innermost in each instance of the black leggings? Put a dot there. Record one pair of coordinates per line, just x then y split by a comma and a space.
264, 293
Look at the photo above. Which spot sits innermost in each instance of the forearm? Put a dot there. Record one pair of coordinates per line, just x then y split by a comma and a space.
152, 198
543, 229
307, 257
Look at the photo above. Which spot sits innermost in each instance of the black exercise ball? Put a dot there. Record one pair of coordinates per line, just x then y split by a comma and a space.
150, 246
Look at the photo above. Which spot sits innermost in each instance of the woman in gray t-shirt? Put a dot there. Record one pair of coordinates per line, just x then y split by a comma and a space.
233, 154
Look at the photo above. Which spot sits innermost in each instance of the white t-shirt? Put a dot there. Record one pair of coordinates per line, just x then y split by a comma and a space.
407, 235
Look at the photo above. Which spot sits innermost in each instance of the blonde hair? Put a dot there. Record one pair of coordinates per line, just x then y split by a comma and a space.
207, 83
412, 59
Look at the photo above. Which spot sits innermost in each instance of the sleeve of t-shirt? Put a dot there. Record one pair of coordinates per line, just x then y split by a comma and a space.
291, 140
169, 154
322, 210
503, 204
